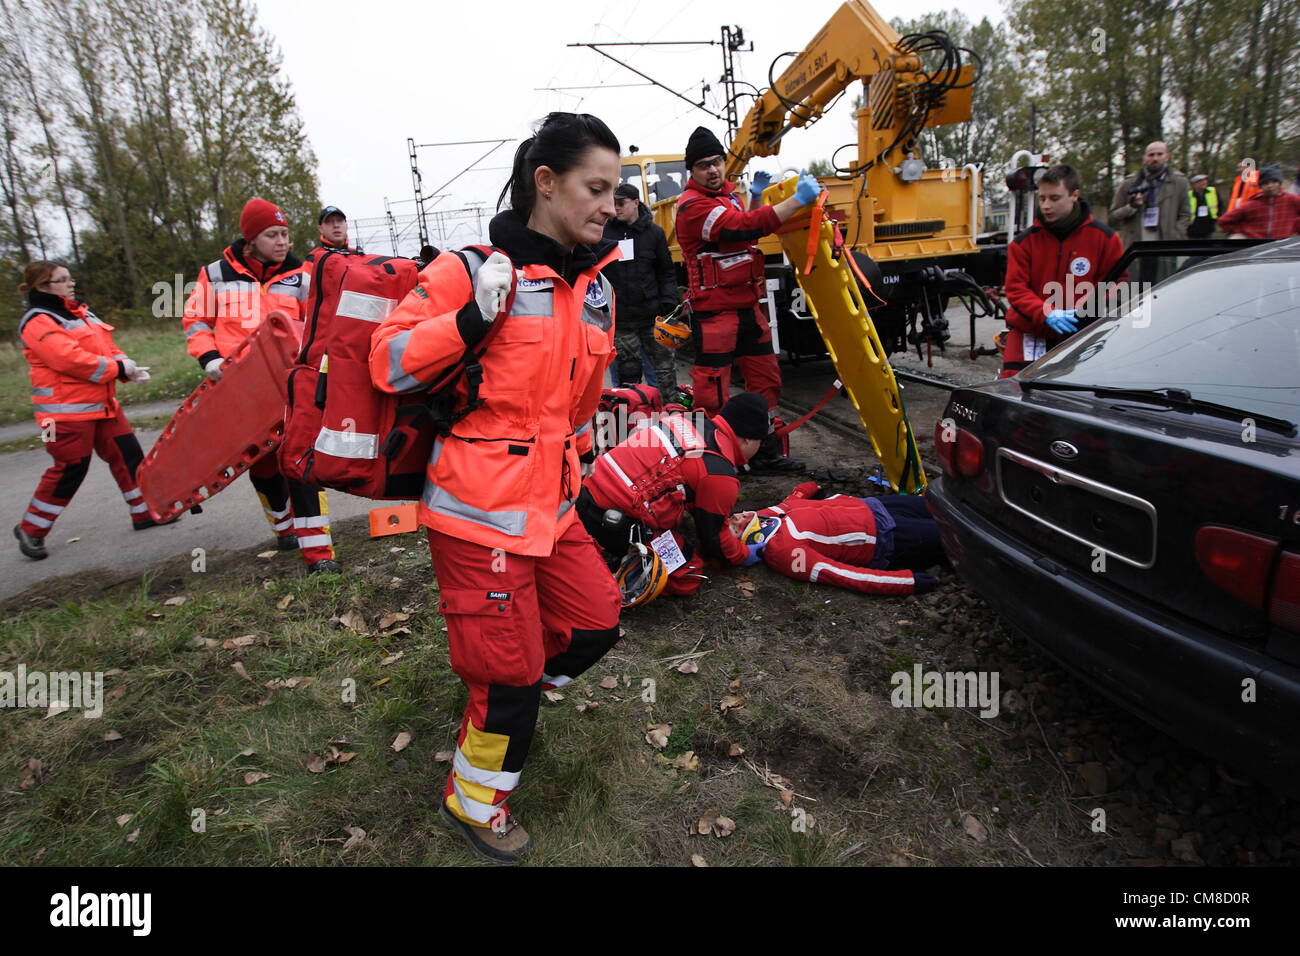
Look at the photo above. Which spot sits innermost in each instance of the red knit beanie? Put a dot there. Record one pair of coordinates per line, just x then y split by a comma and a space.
258, 216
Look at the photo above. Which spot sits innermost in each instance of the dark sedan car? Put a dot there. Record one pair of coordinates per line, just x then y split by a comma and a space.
1131, 502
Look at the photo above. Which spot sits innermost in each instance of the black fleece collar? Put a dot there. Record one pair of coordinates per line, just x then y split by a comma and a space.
49, 302
527, 247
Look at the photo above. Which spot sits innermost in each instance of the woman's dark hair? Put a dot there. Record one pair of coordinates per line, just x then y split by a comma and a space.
38, 273
559, 142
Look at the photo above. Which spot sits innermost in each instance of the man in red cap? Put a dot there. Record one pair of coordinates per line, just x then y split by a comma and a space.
255, 274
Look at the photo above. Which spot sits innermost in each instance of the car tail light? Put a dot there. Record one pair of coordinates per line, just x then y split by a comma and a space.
1236, 561
960, 450
1284, 607
970, 453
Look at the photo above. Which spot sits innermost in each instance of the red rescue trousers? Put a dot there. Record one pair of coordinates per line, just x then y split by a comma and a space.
740, 336
71, 447
515, 626
293, 509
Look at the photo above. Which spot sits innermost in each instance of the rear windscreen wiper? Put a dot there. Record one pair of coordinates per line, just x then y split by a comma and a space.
1170, 397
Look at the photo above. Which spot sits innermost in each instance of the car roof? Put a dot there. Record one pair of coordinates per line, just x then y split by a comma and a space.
1283, 250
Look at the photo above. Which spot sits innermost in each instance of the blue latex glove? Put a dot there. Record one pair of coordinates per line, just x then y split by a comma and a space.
1063, 322
755, 555
761, 181
925, 583
808, 189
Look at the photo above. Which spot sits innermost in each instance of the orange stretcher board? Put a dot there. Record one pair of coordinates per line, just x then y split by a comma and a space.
223, 427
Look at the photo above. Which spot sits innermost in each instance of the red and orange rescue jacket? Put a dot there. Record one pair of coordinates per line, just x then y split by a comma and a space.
509, 473
232, 297
669, 464
72, 357
724, 268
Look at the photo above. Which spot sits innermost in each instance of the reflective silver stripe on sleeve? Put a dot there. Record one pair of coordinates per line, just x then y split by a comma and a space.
71, 409
710, 221
398, 379
564, 506
583, 429
444, 502
99, 372
368, 308
42, 392
196, 328
600, 318
347, 444
214, 271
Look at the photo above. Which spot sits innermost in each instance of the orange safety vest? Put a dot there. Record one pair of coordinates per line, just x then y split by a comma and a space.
1243, 187
509, 473
72, 359
229, 302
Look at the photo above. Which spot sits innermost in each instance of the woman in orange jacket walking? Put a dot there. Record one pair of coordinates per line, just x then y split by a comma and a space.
528, 601
74, 368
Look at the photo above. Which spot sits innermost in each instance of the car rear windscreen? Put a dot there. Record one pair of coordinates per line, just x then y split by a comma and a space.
1228, 333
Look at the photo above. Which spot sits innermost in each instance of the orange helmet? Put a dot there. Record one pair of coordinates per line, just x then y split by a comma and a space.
641, 576
672, 331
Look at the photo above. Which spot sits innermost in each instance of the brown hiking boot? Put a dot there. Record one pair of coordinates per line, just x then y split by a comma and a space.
505, 843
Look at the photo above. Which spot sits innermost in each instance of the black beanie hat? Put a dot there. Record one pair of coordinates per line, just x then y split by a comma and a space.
746, 413
702, 145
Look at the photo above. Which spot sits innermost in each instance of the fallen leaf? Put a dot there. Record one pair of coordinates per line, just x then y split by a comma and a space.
57, 707
355, 836
728, 610
235, 643
111, 735
267, 554
255, 776
553, 696
394, 584
974, 828
397, 630
124, 819
284, 602
787, 797
316, 763
247, 753
401, 741
392, 659
730, 702
116, 692
697, 860
688, 667
705, 823
443, 756
396, 550
734, 686
113, 672
388, 620
587, 705
609, 683
353, 620
133, 836
658, 735
381, 682
174, 601
747, 587
238, 668
73, 540
723, 826
155, 616
687, 761
735, 750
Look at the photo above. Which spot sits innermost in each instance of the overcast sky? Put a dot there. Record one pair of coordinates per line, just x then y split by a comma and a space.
367, 75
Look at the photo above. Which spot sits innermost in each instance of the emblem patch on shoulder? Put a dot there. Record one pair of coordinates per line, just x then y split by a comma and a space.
1080, 266
596, 296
